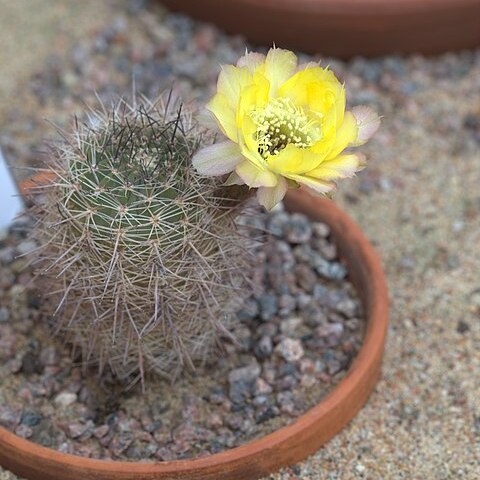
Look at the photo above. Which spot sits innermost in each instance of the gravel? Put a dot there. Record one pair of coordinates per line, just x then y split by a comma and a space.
269, 375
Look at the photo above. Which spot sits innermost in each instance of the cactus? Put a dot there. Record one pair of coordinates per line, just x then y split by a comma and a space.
143, 257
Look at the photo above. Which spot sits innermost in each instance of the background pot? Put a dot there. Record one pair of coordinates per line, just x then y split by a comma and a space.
283, 447
345, 28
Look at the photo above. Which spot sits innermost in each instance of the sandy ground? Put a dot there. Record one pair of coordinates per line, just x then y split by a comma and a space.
423, 421
31, 30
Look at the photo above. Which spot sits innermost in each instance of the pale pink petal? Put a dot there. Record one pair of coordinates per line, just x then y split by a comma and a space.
255, 177
367, 122
271, 196
234, 179
217, 159
251, 60
207, 119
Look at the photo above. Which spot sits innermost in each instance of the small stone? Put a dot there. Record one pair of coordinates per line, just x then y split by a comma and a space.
321, 230
24, 431
268, 306
290, 349
306, 277
359, 468
286, 402
298, 229
346, 307
288, 382
331, 270
462, 326
9, 418
332, 332
326, 249
65, 399
31, 363
260, 400
242, 382
303, 300
7, 342
76, 429
286, 304
243, 338
307, 365
216, 398
277, 224
49, 356
264, 347
120, 443
308, 381
234, 422
26, 247
165, 454
262, 387
291, 326
7, 254
31, 418
101, 431
266, 413
4, 314
214, 421
249, 309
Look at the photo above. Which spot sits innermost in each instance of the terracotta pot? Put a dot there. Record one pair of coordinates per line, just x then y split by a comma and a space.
283, 447
345, 28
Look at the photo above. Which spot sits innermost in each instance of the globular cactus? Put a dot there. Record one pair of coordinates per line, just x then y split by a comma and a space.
143, 254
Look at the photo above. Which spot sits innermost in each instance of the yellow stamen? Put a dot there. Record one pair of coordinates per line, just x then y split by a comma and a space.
282, 123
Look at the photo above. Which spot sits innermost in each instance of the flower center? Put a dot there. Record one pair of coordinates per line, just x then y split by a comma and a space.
281, 123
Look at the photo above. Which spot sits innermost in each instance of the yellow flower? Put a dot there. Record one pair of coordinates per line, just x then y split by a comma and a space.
285, 126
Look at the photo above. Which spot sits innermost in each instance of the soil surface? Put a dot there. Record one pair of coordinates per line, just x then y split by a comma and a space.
418, 201
293, 339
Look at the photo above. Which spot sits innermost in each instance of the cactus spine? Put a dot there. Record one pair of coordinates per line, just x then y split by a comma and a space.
143, 254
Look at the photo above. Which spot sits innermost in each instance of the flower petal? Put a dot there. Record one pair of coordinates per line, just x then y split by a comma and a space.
346, 136
280, 65
367, 122
319, 187
255, 177
251, 60
225, 116
207, 119
270, 196
342, 166
217, 159
231, 81
234, 179
294, 160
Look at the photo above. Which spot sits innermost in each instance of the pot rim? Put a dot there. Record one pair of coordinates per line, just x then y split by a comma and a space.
280, 448
346, 28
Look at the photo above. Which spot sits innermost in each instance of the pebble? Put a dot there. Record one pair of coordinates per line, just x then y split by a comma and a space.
268, 306
77, 429
264, 347
242, 382
290, 349
31, 418
291, 326
298, 229
4, 314
26, 247
65, 399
